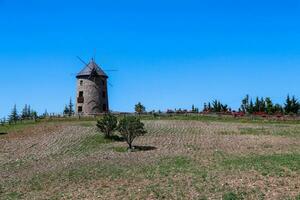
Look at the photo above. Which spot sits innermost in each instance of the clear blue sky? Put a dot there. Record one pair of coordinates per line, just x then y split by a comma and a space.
169, 53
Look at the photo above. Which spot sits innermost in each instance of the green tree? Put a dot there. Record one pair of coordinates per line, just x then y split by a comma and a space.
70, 108
245, 104
278, 109
288, 105
139, 108
130, 128
216, 106
205, 108
251, 107
24, 114
209, 107
194, 109
33, 115
269, 106
14, 115
224, 107
295, 105
107, 124
66, 110
29, 114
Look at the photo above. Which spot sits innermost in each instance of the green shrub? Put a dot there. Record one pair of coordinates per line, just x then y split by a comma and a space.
107, 124
130, 128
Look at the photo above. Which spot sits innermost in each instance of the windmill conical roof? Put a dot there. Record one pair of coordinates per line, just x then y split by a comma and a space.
90, 68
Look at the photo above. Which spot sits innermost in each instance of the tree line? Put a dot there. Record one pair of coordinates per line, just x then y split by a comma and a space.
27, 113
248, 106
257, 106
266, 105
260, 105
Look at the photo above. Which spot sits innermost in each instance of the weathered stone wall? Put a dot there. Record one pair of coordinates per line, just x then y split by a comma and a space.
95, 95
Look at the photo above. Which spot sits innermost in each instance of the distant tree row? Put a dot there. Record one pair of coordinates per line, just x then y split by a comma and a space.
215, 106
266, 105
26, 114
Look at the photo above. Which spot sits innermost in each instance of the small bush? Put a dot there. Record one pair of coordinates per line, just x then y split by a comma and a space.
107, 124
130, 128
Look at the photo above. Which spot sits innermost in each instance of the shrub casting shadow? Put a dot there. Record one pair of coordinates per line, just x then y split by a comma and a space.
144, 148
116, 138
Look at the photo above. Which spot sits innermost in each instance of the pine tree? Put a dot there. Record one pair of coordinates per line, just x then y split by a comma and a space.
70, 108
29, 111
193, 108
295, 105
278, 109
269, 106
251, 107
288, 105
224, 108
256, 105
215, 105
262, 105
209, 107
245, 104
14, 115
66, 110
24, 114
205, 107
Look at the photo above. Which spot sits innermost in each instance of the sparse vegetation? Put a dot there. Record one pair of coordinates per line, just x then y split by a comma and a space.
107, 124
192, 159
274, 165
130, 128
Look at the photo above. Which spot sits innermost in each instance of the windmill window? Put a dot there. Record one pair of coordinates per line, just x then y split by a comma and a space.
104, 94
81, 94
81, 83
79, 108
104, 108
103, 82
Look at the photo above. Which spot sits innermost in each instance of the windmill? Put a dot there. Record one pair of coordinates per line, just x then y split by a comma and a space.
92, 90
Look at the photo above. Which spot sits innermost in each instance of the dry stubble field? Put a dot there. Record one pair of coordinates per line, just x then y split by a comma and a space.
179, 160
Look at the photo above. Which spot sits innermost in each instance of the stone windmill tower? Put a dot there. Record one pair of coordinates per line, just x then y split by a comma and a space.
92, 96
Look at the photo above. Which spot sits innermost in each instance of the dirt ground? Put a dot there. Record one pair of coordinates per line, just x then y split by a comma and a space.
180, 160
